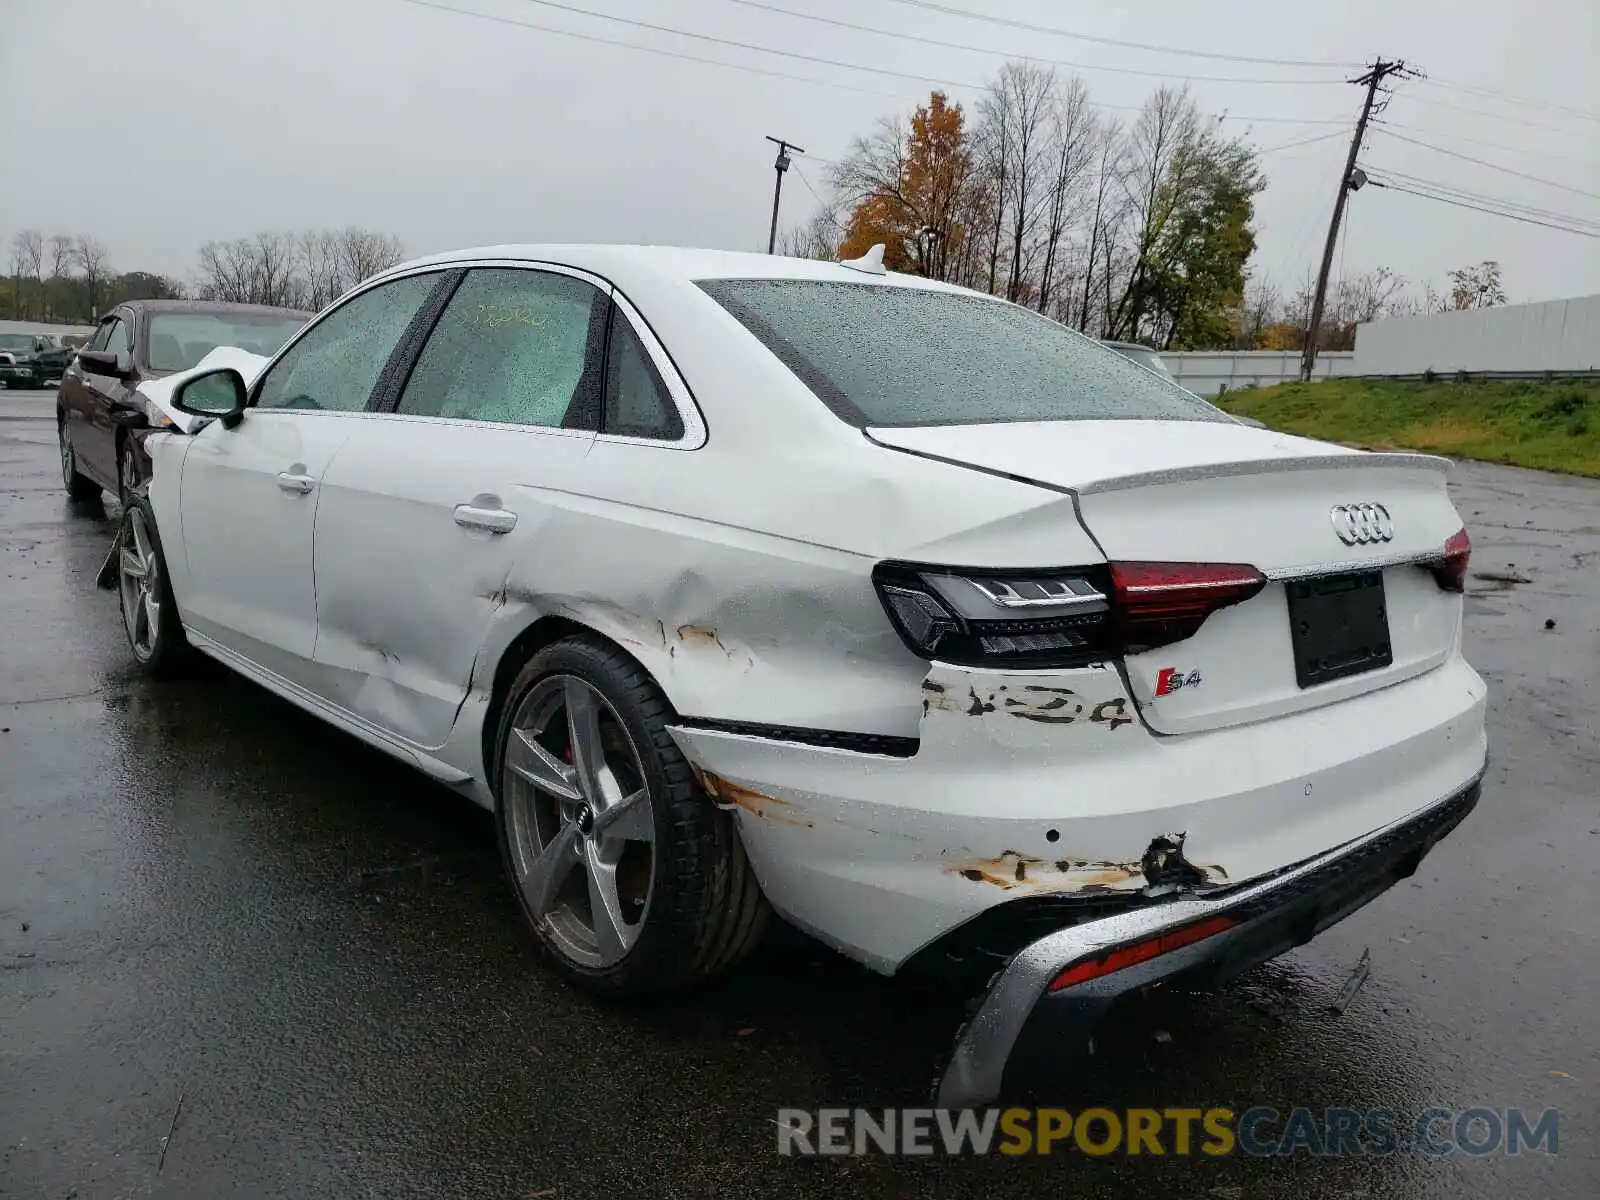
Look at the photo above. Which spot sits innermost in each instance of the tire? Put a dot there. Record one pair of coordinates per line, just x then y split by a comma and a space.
701, 909
144, 596
79, 487
127, 469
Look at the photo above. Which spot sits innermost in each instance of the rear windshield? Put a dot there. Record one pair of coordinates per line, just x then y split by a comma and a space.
883, 356
179, 340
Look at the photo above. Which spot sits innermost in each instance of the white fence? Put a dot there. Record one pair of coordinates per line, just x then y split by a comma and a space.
56, 331
1209, 372
1562, 336
1559, 335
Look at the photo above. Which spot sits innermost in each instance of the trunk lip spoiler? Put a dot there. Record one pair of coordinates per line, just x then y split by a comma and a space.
1377, 562
1256, 466
1265, 466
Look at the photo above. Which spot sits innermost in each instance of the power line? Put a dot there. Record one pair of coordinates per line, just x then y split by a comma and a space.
1468, 194
1494, 212
731, 42
1508, 98
1321, 137
1055, 62
1565, 187
665, 53
1107, 41
834, 62
821, 203
1456, 137
1494, 116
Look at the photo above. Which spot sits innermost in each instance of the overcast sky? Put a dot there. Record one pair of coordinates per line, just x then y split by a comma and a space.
160, 124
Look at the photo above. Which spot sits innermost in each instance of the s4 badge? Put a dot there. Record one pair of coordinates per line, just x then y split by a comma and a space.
1171, 679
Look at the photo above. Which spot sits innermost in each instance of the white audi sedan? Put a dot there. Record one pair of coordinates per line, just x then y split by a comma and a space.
734, 583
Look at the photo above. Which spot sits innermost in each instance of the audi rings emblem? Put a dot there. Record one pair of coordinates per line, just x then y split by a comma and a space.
1362, 524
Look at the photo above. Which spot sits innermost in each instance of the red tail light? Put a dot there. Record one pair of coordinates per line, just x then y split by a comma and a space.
1128, 956
1451, 572
1158, 603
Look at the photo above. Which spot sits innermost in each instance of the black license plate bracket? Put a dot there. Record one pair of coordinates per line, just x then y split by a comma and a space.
1339, 626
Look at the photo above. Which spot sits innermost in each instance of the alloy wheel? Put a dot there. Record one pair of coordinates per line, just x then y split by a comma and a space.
580, 826
138, 576
69, 466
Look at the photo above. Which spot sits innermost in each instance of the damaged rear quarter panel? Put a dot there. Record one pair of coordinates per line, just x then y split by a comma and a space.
754, 601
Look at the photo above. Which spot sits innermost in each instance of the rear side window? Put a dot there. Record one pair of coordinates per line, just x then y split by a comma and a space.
637, 401
515, 346
881, 355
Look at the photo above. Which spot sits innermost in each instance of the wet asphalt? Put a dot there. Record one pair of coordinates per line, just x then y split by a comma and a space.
206, 894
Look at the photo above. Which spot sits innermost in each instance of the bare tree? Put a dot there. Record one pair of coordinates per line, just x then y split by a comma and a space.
363, 254
277, 281
60, 257
1263, 304
227, 271
27, 261
309, 270
818, 238
1160, 149
319, 263
1072, 130
1370, 296
93, 262
1109, 169
1017, 110
1477, 286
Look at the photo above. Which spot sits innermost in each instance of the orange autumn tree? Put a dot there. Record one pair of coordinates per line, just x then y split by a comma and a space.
913, 186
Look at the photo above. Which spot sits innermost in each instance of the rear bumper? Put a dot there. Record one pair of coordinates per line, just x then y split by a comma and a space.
1021, 1024
1040, 795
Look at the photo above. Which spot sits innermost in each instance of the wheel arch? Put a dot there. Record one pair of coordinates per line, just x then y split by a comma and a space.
540, 632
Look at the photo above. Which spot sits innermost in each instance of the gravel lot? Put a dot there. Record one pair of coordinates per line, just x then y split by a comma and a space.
206, 893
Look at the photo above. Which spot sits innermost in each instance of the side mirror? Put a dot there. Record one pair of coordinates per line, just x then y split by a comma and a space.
220, 393
100, 362
129, 418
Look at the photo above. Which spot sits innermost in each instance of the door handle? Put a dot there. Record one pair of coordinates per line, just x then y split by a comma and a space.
298, 484
495, 520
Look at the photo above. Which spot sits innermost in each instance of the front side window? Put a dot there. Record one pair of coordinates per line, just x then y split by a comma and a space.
881, 355
179, 340
335, 366
514, 346
98, 342
118, 338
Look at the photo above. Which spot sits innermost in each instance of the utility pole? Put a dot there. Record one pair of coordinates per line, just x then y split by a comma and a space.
780, 166
1350, 181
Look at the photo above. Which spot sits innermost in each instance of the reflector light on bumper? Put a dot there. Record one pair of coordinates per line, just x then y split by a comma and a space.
1128, 956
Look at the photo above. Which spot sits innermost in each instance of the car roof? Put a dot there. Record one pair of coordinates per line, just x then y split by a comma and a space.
678, 263
210, 306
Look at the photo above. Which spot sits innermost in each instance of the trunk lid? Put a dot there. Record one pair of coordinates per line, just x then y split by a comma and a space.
1199, 492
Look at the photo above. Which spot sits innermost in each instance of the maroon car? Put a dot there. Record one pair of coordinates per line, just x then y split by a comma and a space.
101, 421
